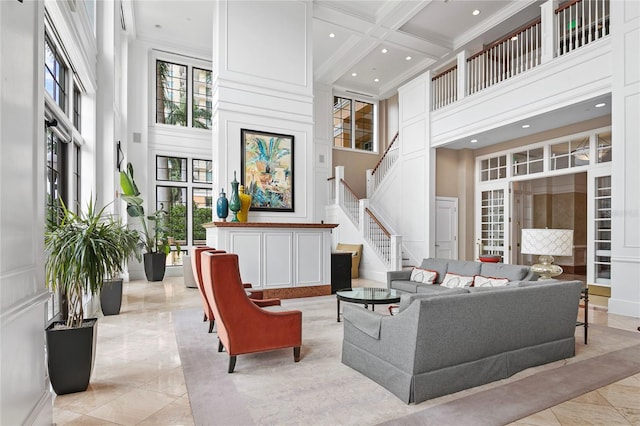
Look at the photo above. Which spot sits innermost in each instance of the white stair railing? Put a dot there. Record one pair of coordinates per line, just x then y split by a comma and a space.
349, 200
388, 159
579, 23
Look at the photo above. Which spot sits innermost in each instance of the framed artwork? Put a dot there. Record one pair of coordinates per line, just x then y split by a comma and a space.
267, 170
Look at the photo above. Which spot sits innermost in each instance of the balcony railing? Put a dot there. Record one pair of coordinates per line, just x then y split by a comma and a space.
505, 58
581, 22
575, 24
444, 88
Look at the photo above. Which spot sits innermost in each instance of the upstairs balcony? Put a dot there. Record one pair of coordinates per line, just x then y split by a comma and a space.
562, 57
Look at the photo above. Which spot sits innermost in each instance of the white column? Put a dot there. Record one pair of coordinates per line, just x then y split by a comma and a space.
462, 74
24, 397
625, 200
549, 29
263, 80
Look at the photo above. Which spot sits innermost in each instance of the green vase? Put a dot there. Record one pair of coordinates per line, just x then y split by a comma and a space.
234, 201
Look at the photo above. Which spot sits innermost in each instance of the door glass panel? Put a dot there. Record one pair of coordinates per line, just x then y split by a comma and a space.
492, 222
602, 229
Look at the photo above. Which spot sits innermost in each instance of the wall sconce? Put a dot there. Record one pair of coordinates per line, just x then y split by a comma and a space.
120, 157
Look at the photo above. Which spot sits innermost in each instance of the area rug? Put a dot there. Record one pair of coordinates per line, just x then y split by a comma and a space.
269, 388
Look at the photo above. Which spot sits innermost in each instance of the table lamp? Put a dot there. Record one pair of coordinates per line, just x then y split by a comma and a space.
547, 243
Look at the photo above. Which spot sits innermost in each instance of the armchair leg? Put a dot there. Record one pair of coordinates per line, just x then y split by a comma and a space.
211, 325
296, 354
220, 347
204, 317
232, 363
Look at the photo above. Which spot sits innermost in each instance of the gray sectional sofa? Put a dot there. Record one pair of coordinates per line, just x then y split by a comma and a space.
452, 340
399, 280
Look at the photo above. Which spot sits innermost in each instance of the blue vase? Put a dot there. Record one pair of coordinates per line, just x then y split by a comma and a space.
222, 206
234, 201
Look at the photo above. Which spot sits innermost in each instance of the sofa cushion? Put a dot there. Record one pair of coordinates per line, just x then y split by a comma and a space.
502, 270
466, 268
438, 265
433, 291
424, 276
408, 286
482, 281
452, 280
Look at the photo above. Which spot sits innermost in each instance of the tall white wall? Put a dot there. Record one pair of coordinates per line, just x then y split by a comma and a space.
625, 217
263, 80
24, 392
415, 210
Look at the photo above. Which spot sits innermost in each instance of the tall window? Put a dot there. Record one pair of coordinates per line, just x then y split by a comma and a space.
353, 124
171, 93
77, 107
179, 102
176, 179
201, 99
55, 76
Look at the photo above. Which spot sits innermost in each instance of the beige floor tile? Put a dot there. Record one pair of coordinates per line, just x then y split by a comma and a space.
178, 413
592, 398
579, 414
622, 396
133, 407
543, 418
631, 414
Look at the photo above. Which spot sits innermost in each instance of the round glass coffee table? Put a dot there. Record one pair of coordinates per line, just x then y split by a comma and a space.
367, 296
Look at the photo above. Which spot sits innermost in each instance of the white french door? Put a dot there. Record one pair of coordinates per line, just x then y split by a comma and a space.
599, 226
492, 220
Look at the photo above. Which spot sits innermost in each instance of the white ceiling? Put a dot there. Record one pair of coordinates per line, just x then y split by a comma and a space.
431, 32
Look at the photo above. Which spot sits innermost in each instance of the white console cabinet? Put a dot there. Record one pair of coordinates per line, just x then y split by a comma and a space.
277, 255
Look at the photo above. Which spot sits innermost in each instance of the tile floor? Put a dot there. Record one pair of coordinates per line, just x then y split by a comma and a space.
137, 378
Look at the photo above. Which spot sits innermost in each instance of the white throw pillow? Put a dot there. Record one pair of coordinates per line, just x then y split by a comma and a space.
424, 276
482, 281
454, 280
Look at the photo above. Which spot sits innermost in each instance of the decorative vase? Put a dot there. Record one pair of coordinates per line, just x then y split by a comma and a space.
222, 206
245, 204
234, 201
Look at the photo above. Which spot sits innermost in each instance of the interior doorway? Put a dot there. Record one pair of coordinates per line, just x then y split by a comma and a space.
553, 202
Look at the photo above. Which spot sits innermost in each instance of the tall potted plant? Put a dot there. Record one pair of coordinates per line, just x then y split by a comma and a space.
154, 238
81, 249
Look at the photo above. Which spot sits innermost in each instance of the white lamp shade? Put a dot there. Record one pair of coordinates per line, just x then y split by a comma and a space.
550, 242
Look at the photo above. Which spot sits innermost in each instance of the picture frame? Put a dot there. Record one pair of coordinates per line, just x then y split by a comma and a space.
267, 170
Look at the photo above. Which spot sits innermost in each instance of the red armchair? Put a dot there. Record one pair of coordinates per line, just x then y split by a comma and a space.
196, 261
243, 327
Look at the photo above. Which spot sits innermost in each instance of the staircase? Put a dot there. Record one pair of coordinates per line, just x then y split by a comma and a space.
359, 223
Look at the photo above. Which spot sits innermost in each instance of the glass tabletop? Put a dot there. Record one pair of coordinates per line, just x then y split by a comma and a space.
370, 295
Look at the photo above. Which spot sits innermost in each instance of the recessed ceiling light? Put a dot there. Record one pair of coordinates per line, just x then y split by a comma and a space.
332, 35
474, 140
158, 26
376, 80
384, 50
526, 126
408, 58
600, 105
475, 12
354, 74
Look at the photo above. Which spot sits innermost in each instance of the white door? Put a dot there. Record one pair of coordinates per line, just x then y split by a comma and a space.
446, 228
492, 219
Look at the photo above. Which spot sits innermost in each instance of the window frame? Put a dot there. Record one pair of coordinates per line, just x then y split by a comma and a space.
352, 128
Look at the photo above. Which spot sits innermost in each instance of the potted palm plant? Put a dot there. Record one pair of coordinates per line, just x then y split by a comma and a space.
154, 238
81, 250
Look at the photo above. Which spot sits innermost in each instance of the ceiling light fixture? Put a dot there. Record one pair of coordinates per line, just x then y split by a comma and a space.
408, 58
332, 35
475, 12
376, 80
526, 126
600, 105
384, 50
354, 74
474, 140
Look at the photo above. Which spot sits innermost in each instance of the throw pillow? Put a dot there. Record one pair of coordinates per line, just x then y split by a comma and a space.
481, 281
454, 280
424, 276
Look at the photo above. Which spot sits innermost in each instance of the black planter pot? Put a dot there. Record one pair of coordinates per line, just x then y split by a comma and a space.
154, 266
111, 297
70, 356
